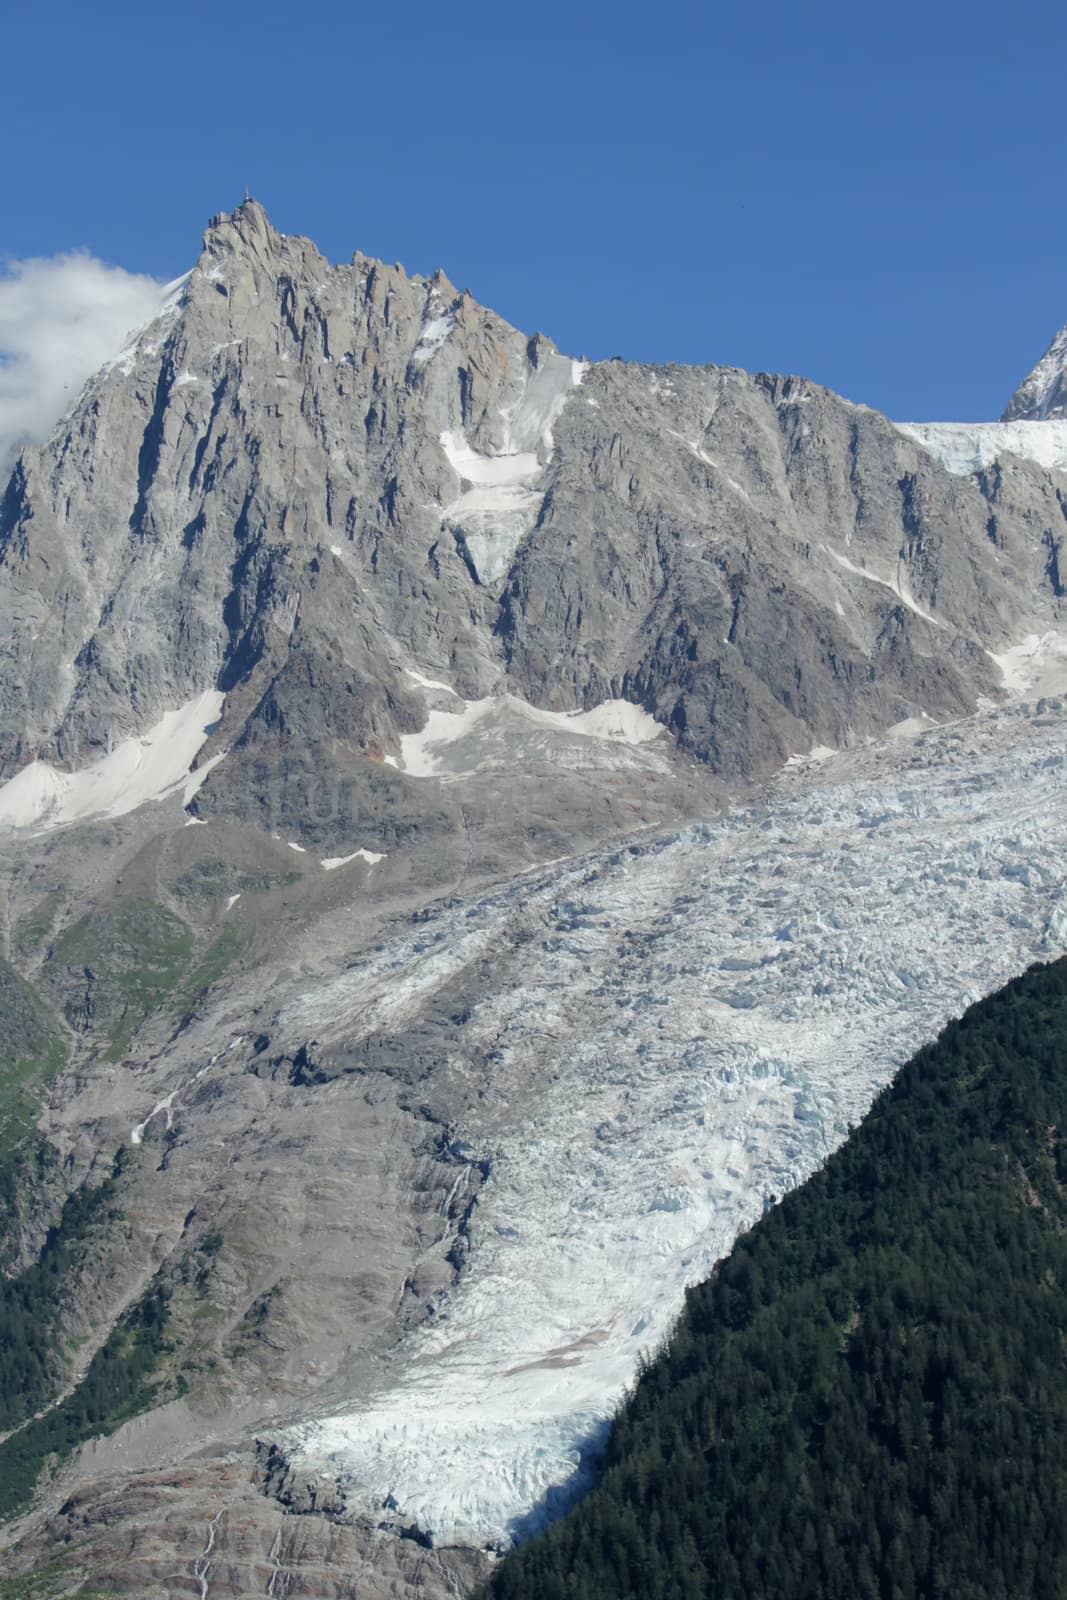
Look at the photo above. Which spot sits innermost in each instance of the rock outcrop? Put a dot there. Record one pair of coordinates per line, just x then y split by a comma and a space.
1042, 396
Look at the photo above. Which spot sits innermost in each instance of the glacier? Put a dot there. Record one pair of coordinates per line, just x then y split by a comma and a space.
967, 447
680, 1031
499, 494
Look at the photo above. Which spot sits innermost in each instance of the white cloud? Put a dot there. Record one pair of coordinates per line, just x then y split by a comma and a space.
61, 318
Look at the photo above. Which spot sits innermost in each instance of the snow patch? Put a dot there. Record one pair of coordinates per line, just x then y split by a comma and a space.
371, 857
488, 472
40, 797
137, 1134
911, 727
432, 336
196, 780
619, 720
169, 304
547, 391
1037, 666
897, 585
695, 448
427, 754
817, 753
428, 683
497, 504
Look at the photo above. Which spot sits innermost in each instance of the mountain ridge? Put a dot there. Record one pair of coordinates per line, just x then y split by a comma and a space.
359, 509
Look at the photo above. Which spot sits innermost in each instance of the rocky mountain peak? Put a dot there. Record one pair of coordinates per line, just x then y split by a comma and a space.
246, 240
247, 227
1042, 396
304, 479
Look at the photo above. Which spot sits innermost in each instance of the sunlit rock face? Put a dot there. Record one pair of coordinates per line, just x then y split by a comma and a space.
301, 480
1042, 395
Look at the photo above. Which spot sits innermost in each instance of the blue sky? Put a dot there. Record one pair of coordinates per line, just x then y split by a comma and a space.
873, 197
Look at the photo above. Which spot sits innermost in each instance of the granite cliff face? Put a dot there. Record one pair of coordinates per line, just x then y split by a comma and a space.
474, 824
304, 478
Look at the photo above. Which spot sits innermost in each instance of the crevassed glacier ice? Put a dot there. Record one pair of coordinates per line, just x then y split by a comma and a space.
680, 1030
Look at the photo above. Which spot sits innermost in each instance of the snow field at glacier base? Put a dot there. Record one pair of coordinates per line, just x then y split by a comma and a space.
684, 1029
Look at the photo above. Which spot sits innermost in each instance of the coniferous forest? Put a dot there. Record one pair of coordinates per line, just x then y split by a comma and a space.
868, 1400
36, 1424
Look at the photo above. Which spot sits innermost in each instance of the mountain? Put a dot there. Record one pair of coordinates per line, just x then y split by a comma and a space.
1043, 395
303, 481
863, 1399
476, 825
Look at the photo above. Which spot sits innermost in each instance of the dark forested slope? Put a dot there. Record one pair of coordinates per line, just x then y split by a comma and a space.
869, 1397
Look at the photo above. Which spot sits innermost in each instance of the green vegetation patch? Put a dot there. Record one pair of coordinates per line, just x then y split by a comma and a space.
133, 959
32, 930
124, 965
119, 1384
31, 1358
33, 1363
28, 1174
216, 879
219, 955
868, 1400
32, 1050
55, 1581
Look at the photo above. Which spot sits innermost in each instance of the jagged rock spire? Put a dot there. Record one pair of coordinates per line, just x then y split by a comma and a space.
1043, 395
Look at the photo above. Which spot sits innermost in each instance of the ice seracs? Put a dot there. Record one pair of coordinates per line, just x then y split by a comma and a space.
1033, 427
496, 505
966, 447
500, 493
678, 1030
